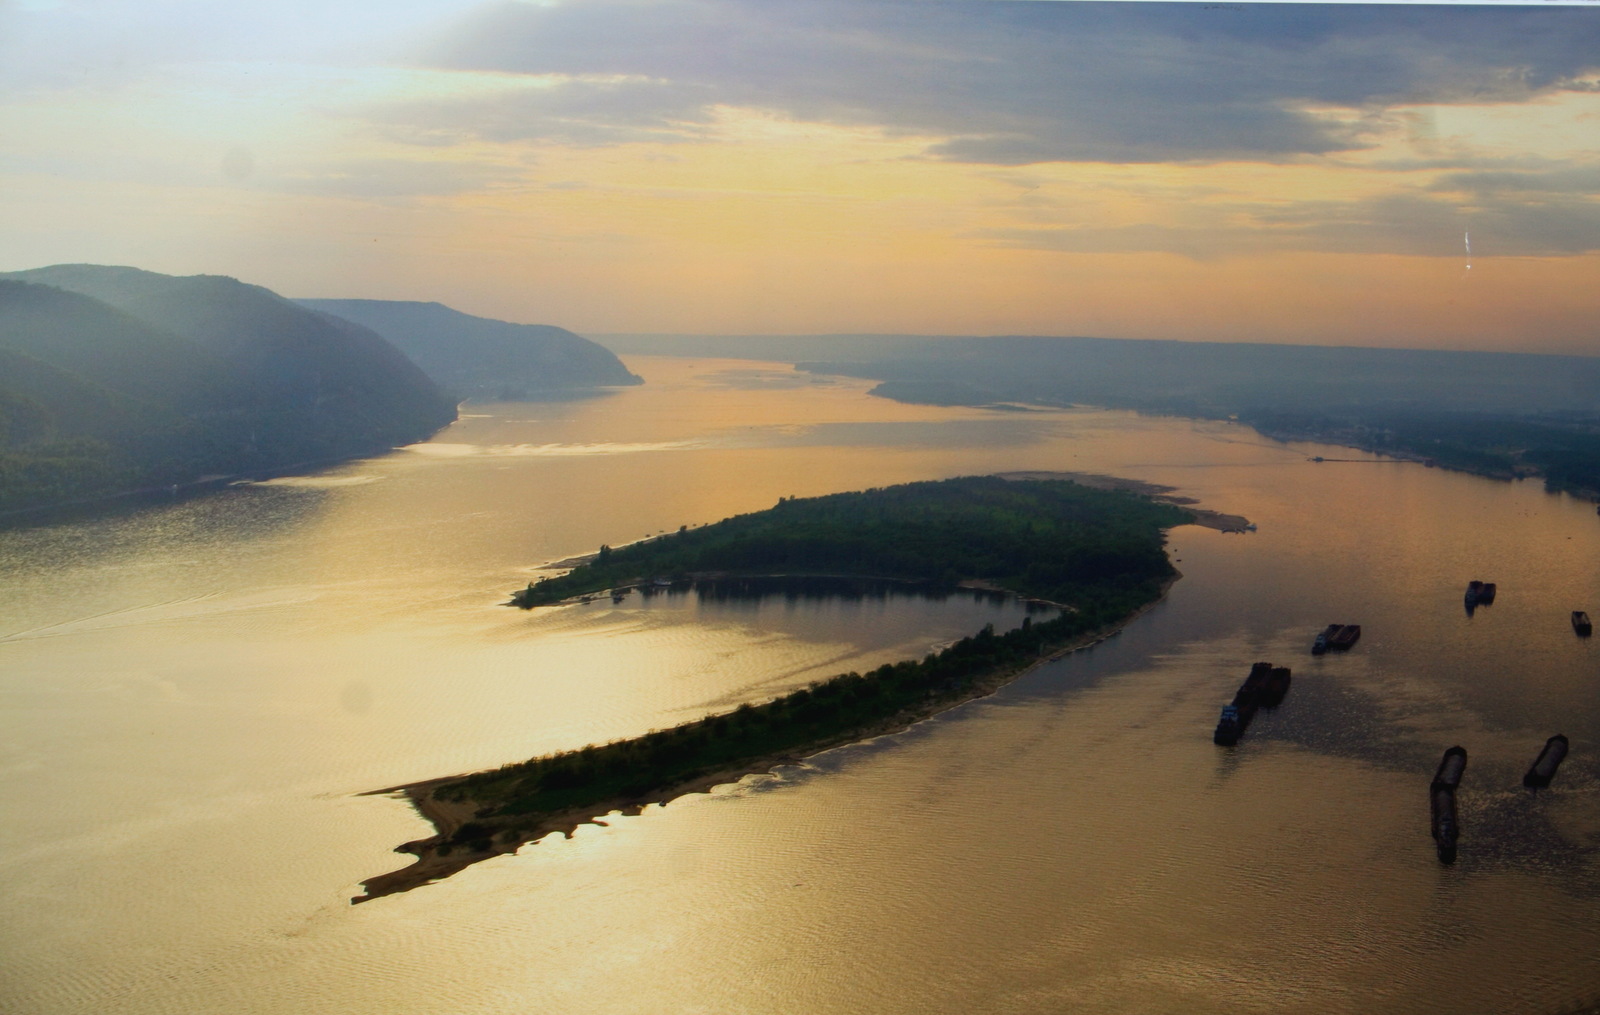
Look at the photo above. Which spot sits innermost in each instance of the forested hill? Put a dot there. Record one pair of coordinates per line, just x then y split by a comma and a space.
478, 357
1047, 538
114, 379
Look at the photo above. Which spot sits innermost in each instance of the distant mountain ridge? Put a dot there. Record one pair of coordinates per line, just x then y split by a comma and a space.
479, 357
1505, 414
113, 378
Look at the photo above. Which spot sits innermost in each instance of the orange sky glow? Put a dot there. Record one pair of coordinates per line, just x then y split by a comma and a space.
977, 167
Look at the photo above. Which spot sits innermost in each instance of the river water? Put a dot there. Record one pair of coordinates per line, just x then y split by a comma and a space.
196, 695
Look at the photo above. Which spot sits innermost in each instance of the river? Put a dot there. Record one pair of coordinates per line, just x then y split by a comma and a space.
196, 695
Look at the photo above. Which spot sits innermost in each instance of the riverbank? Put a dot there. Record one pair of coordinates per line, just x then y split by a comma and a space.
118, 502
447, 851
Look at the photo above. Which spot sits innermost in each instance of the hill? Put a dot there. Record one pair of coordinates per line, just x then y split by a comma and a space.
478, 357
116, 378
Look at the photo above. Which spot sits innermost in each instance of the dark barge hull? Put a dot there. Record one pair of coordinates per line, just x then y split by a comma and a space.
1336, 638
1347, 635
1321, 644
1442, 802
1277, 687
1544, 767
1250, 696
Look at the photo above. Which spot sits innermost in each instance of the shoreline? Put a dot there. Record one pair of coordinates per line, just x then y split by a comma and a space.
1155, 491
449, 816
120, 502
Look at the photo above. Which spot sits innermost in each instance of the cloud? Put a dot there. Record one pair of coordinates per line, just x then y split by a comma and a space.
391, 178
581, 111
1574, 180
72, 44
1008, 83
1410, 224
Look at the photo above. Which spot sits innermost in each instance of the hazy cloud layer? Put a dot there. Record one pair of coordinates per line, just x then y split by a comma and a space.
1003, 82
584, 112
1408, 224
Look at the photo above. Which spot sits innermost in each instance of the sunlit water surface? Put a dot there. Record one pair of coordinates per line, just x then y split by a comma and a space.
194, 696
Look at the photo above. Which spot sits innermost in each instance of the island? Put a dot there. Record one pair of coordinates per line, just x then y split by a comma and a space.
1094, 554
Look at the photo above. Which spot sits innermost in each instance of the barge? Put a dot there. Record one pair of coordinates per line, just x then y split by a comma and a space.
1544, 767
1236, 715
1442, 802
1336, 637
1277, 686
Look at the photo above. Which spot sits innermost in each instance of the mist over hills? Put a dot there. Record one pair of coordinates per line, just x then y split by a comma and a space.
115, 378
1501, 414
478, 357
1203, 378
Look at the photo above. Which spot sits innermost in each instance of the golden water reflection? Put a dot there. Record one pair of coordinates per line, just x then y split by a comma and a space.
195, 694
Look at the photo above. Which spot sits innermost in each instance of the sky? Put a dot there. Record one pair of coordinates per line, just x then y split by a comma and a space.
1304, 174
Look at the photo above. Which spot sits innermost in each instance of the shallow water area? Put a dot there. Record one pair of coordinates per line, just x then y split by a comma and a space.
195, 695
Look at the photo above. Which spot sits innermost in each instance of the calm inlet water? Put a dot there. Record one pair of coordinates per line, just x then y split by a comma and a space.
195, 696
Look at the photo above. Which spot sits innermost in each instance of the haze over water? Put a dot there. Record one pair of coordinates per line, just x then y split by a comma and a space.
195, 694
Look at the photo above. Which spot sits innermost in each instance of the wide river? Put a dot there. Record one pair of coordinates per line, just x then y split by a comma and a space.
194, 696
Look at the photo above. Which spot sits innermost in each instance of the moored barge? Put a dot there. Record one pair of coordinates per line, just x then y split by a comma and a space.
1277, 686
1336, 637
1442, 802
1545, 765
1252, 694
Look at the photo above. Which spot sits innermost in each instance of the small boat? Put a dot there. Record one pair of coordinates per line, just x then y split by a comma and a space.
1321, 644
1474, 592
1545, 765
1228, 727
1486, 594
1580, 624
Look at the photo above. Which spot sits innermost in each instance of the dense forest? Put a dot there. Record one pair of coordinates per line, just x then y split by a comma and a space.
1047, 538
1098, 552
1562, 449
509, 801
113, 379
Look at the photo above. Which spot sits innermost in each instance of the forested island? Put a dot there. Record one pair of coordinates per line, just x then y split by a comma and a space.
1097, 554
